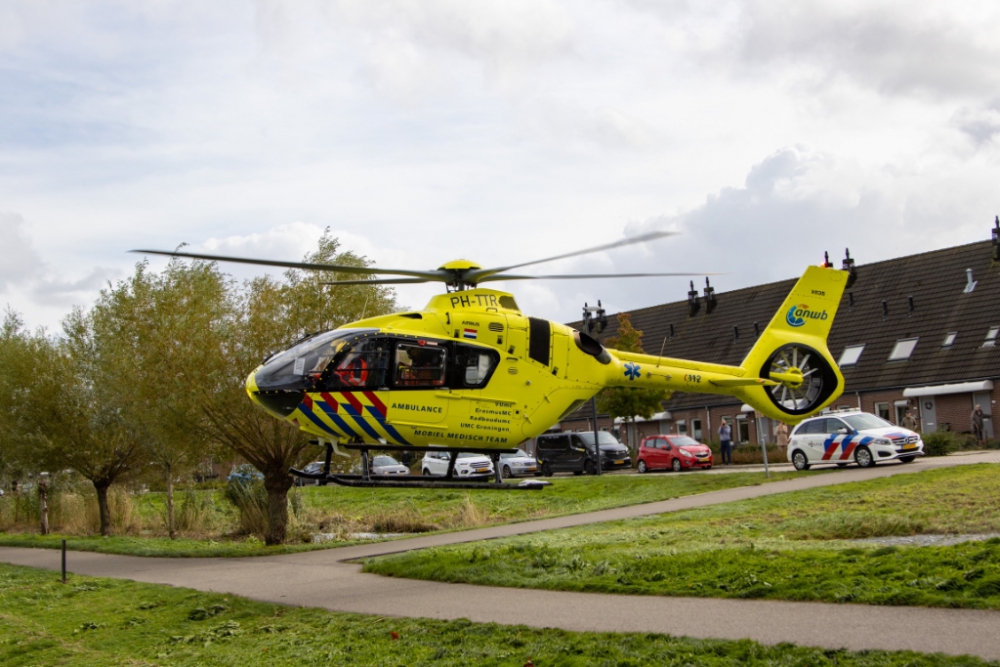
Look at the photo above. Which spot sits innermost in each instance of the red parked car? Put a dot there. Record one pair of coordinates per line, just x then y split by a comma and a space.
673, 452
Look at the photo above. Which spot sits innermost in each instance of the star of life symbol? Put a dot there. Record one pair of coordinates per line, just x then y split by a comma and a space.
631, 371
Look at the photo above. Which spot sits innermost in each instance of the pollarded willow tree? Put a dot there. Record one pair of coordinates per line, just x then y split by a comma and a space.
265, 316
61, 410
165, 332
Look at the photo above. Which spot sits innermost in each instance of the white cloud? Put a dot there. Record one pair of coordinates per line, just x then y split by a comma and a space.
499, 131
19, 262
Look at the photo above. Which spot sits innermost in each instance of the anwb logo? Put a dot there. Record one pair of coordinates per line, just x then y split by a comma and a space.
797, 315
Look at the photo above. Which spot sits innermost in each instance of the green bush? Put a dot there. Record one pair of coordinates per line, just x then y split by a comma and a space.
940, 443
749, 453
250, 501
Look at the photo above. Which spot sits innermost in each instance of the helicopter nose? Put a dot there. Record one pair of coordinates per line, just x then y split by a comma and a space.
279, 403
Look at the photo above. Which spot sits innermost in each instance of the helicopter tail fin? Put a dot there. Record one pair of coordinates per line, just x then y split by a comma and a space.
791, 355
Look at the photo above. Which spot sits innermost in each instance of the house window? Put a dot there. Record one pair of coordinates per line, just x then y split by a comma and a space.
949, 340
850, 355
903, 349
882, 410
742, 429
696, 429
682, 427
991, 337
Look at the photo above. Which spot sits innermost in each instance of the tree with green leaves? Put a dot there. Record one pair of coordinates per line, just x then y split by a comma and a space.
60, 412
266, 316
166, 331
627, 402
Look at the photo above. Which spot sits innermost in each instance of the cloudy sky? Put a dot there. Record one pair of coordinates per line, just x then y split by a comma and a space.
500, 131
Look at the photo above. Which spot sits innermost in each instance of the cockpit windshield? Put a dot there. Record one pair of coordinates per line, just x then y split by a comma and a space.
300, 366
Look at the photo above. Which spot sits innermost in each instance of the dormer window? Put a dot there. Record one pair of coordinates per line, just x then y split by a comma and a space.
850, 355
991, 337
903, 349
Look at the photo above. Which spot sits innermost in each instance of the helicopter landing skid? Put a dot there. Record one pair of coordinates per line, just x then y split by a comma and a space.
367, 480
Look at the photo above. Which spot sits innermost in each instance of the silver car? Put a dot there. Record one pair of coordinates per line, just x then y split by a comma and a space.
386, 465
518, 463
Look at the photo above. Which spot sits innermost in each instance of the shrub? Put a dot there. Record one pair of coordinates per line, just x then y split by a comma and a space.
250, 501
940, 443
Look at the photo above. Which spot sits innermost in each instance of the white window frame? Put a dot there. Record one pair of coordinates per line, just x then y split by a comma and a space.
991, 337
851, 360
903, 349
949, 339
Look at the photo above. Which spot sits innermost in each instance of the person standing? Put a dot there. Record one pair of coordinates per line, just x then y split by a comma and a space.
781, 436
909, 421
726, 443
978, 424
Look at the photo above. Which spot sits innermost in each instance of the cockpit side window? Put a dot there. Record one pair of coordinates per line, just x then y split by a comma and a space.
418, 366
473, 366
361, 365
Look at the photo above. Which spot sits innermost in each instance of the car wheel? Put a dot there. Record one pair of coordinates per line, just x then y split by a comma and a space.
907, 459
590, 468
676, 465
800, 461
642, 467
425, 472
505, 472
547, 469
863, 457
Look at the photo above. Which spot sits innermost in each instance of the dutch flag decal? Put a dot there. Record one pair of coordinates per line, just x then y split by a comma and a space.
470, 333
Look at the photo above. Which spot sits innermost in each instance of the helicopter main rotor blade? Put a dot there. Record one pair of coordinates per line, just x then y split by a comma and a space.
376, 281
481, 274
577, 276
336, 268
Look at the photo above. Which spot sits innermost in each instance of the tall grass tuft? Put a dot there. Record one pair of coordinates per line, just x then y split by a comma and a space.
250, 501
196, 513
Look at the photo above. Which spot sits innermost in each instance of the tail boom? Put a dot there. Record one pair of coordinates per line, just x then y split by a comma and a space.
789, 373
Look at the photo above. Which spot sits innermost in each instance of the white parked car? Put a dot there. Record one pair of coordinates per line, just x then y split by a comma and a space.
468, 465
518, 463
843, 437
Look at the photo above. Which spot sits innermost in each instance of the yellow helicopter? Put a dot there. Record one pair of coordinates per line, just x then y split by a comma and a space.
470, 372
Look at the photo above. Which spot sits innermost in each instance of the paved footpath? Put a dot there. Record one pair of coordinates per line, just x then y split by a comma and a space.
324, 579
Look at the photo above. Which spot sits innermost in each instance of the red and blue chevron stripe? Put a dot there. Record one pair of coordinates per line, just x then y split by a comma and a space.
351, 416
848, 443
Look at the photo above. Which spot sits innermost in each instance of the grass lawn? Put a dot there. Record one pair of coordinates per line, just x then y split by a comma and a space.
342, 511
795, 546
92, 621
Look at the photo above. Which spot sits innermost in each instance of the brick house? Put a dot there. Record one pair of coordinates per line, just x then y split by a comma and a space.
917, 332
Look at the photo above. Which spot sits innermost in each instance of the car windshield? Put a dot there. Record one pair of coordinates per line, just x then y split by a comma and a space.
683, 441
862, 421
510, 455
603, 437
384, 461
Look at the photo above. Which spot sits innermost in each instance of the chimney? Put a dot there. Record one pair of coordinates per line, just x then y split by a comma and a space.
970, 284
710, 301
996, 239
693, 302
848, 265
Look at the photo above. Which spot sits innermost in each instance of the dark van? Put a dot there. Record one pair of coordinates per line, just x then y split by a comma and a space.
574, 452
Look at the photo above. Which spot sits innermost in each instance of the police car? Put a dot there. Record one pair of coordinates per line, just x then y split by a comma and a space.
843, 437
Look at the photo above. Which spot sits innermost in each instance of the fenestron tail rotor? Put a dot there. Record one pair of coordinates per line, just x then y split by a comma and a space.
459, 274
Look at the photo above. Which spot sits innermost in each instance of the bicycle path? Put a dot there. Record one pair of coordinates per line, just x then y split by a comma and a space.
327, 579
